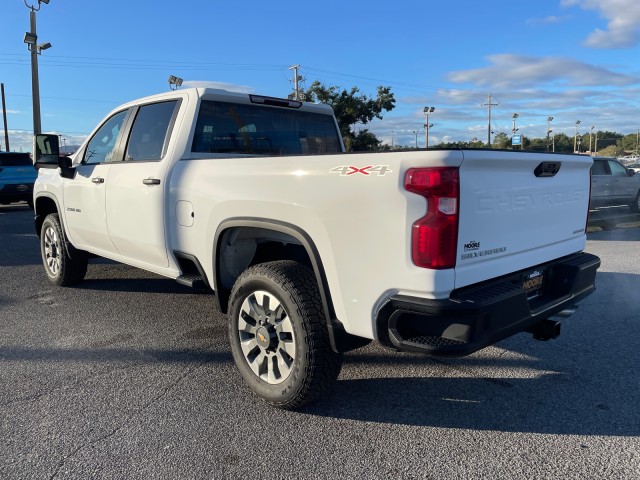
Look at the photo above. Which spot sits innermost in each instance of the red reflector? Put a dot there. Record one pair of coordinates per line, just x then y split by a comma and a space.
435, 235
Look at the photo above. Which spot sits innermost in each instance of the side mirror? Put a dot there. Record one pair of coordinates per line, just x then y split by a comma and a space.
631, 172
46, 150
64, 162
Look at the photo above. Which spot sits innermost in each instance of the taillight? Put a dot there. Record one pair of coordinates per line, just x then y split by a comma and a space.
434, 237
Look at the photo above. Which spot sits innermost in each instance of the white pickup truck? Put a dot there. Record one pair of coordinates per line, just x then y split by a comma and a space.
310, 251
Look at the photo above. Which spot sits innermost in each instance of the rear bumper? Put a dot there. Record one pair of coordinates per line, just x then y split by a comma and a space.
480, 315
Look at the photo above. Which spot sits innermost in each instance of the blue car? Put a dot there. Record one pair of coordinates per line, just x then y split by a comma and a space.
17, 175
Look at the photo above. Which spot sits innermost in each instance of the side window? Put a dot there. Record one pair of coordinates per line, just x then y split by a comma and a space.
102, 145
598, 168
150, 131
617, 169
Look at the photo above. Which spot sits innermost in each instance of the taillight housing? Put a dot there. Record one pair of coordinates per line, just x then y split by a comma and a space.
434, 237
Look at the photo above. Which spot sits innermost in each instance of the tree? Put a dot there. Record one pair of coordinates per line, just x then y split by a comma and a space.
351, 107
502, 140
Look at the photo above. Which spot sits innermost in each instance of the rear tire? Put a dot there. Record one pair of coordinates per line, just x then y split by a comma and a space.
63, 267
278, 334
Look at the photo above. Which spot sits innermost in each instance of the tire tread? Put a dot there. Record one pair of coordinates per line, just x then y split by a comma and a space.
322, 363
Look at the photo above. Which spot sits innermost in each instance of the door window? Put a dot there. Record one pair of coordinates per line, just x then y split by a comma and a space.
151, 131
598, 168
617, 169
102, 145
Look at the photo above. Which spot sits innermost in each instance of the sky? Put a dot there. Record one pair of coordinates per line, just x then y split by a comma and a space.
570, 59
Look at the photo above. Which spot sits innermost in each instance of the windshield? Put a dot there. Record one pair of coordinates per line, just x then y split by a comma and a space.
260, 130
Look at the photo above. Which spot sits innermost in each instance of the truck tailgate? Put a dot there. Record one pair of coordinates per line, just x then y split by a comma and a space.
517, 211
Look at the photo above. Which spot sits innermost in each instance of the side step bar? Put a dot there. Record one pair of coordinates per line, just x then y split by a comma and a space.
192, 280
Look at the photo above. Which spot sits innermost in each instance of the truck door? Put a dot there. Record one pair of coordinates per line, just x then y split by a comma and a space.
136, 187
601, 184
624, 186
84, 195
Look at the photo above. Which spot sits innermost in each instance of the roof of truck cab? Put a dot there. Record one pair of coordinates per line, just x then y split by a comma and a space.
229, 96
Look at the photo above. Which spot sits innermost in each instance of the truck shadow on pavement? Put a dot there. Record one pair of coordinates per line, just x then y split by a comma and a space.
549, 404
584, 383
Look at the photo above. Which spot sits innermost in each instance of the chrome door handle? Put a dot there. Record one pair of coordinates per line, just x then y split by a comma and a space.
97, 180
151, 181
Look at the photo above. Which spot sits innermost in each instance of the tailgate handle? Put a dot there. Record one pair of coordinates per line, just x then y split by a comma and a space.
547, 169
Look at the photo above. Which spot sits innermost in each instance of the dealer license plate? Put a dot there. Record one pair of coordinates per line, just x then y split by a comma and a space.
533, 283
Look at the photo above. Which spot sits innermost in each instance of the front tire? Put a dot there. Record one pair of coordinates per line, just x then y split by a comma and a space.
278, 334
635, 206
63, 267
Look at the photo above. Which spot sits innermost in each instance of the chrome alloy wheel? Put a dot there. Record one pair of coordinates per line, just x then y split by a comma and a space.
266, 337
52, 250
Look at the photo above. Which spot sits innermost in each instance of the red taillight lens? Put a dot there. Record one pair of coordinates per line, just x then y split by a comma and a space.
435, 236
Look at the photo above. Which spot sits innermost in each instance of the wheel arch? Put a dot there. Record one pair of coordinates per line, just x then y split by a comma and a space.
43, 206
258, 230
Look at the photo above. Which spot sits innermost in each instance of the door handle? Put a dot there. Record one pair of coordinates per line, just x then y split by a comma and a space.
151, 181
97, 180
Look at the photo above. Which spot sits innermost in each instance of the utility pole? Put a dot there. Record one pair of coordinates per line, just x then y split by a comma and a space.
549, 120
489, 105
297, 79
4, 117
31, 39
590, 134
575, 139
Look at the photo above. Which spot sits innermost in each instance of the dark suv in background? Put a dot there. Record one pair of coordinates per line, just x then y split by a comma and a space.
17, 175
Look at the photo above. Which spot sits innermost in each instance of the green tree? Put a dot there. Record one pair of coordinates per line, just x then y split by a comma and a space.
629, 143
351, 107
501, 140
563, 143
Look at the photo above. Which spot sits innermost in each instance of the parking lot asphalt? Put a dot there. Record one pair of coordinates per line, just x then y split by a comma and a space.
129, 375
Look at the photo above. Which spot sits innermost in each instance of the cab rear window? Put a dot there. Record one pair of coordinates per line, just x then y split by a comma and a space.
234, 128
15, 160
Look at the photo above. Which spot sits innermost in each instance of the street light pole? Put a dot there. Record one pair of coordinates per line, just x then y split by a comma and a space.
590, 134
575, 139
427, 111
549, 120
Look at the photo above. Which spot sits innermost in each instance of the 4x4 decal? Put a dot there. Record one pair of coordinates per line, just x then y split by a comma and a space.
379, 170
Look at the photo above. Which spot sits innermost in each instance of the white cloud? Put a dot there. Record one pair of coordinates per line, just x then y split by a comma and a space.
508, 71
21, 140
623, 29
